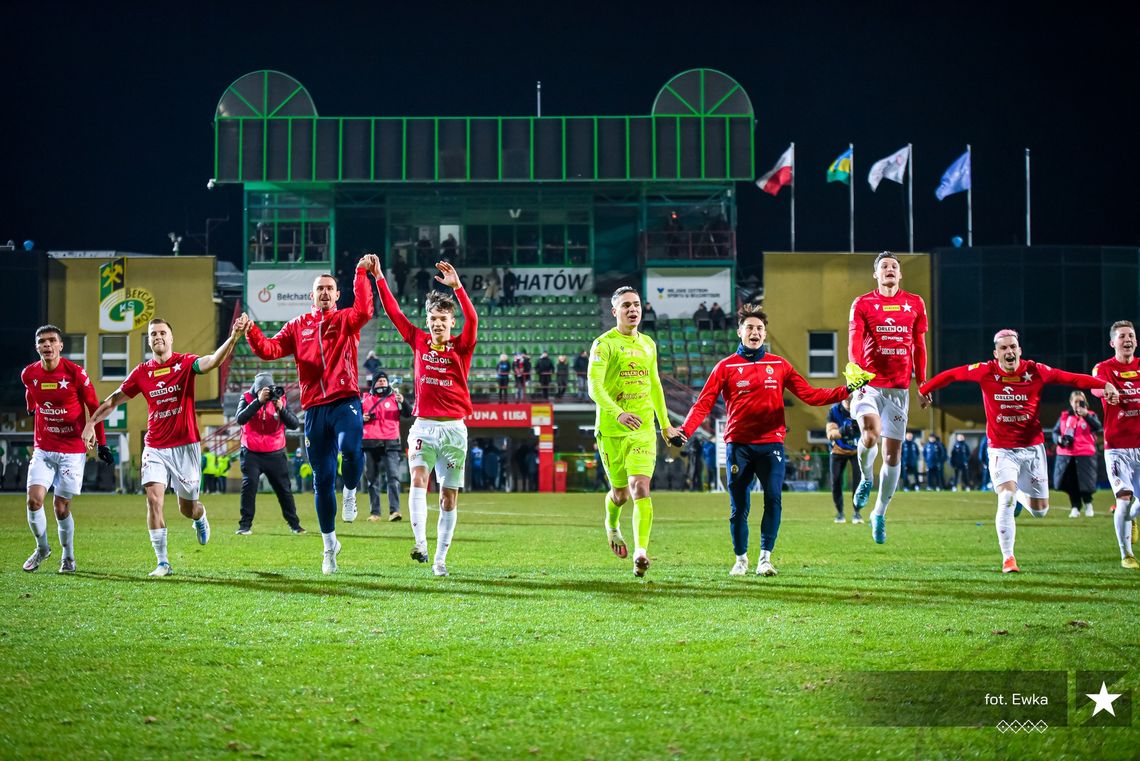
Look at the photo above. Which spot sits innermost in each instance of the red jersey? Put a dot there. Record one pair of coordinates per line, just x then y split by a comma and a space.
441, 371
57, 398
1121, 421
1011, 399
324, 345
754, 393
886, 335
169, 389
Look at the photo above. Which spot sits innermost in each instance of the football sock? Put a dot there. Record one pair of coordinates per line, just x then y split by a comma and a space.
417, 507
198, 521
642, 522
1006, 527
158, 542
613, 512
66, 535
888, 482
37, 521
444, 531
1123, 526
765, 555
866, 459
330, 540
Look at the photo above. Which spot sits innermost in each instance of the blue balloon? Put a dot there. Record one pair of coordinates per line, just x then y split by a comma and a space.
29, 245
957, 241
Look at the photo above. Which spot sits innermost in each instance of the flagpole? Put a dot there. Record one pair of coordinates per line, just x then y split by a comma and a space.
1028, 198
793, 146
910, 192
851, 195
970, 200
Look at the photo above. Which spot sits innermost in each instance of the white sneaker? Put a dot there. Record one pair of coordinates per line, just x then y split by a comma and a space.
740, 567
419, 553
163, 569
765, 568
36, 558
439, 569
328, 565
348, 506
1089, 510
1075, 513
202, 529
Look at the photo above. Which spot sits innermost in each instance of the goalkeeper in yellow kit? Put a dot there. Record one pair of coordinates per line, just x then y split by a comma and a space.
624, 384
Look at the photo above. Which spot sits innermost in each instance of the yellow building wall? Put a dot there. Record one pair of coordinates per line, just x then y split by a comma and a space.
183, 290
813, 292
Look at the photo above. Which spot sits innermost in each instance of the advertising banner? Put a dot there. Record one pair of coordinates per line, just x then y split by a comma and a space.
676, 292
279, 295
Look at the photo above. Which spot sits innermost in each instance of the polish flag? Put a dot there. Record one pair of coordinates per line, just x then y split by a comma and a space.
780, 175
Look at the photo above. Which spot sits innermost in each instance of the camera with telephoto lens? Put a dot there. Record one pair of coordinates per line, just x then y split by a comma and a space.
276, 392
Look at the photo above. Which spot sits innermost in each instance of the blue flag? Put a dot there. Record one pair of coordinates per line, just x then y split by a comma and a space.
956, 178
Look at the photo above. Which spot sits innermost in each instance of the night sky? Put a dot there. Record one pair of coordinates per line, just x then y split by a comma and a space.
109, 108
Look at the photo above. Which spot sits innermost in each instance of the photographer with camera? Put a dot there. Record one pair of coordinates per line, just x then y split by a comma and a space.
842, 432
263, 414
382, 407
1074, 471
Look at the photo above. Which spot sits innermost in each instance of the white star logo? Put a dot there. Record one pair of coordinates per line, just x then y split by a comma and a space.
1103, 699
907, 307
177, 366
64, 383
1028, 376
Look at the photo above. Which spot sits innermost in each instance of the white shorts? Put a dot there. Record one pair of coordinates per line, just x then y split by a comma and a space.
62, 471
1123, 466
439, 445
1025, 466
178, 467
891, 405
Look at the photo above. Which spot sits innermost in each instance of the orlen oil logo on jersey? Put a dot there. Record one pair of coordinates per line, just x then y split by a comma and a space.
890, 327
633, 372
1008, 395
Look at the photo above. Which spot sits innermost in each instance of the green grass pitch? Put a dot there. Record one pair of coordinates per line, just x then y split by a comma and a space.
542, 644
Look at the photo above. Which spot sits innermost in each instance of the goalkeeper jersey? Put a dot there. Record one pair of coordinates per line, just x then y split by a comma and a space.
622, 377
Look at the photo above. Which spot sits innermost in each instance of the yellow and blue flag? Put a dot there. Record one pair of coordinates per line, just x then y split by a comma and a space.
840, 169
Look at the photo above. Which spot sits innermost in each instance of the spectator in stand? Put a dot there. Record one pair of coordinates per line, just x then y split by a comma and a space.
984, 459
475, 457
842, 432
934, 454
423, 283
701, 317
510, 283
717, 317
449, 249
545, 369
263, 415
562, 376
581, 368
1075, 470
423, 251
381, 410
371, 365
648, 317
960, 462
400, 273
521, 369
503, 376
910, 454
492, 294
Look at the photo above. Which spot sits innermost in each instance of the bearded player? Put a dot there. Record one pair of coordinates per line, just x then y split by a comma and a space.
60, 395
623, 381
1011, 393
886, 337
1122, 435
437, 439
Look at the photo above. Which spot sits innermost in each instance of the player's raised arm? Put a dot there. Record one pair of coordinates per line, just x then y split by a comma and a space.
281, 345
361, 310
945, 378
809, 394
101, 413
449, 277
210, 361
392, 307
705, 401
1080, 380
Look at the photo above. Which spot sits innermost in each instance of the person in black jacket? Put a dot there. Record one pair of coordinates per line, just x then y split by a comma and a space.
545, 369
503, 376
263, 414
383, 407
581, 367
562, 376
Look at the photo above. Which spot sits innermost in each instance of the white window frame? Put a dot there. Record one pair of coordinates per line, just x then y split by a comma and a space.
833, 353
78, 357
124, 356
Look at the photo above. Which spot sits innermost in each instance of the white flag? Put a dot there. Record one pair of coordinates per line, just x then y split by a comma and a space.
891, 168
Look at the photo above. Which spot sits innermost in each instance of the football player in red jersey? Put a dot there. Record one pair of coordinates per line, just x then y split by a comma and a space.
172, 454
886, 336
1011, 393
60, 395
437, 439
1122, 435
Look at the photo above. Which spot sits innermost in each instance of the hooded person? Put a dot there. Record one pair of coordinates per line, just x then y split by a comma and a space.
383, 406
263, 414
